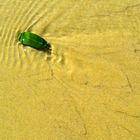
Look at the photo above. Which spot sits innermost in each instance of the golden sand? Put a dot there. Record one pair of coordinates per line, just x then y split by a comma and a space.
88, 88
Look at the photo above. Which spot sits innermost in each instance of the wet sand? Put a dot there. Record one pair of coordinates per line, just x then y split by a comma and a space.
88, 88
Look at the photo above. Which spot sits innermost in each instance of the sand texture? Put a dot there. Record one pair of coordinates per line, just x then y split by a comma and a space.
88, 88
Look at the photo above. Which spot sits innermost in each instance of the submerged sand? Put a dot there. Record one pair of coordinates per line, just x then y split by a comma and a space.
88, 88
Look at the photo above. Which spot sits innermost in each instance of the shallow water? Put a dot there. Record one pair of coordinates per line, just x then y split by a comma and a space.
88, 88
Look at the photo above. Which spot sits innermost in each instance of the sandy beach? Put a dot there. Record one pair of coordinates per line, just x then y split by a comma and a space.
88, 88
